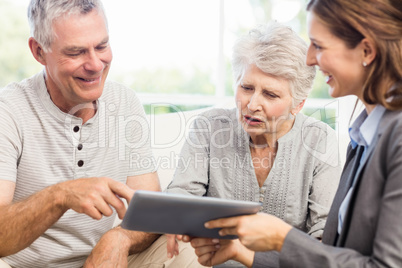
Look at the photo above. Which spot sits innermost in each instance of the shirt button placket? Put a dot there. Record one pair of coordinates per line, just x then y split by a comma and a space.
79, 152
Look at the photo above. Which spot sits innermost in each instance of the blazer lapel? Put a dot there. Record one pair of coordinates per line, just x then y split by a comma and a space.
330, 234
346, 222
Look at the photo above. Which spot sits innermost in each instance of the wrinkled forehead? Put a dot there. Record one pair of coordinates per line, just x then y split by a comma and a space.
78, 22
77, 12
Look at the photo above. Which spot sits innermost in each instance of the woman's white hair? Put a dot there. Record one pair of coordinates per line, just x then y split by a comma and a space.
276, 50
42, 14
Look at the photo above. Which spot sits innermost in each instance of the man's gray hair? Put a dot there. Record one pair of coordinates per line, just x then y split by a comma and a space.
276, 50
42, 13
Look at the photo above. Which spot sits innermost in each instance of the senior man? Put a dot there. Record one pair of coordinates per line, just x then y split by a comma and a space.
66, 138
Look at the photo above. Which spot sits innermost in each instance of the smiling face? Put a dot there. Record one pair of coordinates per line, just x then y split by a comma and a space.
264, 103
342, 66
79, 60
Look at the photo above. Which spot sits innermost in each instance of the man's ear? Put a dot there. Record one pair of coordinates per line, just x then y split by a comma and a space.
37, 51
298, 108
369, 51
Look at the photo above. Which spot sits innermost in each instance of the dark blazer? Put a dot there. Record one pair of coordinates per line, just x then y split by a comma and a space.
372, 232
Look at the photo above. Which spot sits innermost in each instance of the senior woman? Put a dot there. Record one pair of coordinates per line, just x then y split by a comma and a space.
357, 45
264, 150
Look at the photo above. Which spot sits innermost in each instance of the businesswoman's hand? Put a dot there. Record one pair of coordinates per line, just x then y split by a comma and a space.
259, 232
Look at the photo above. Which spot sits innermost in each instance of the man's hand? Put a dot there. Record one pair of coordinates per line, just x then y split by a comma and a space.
26, 220
112, 250
116, 245
95, 196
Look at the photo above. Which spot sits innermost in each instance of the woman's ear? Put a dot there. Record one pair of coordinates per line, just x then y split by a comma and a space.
369, 51
298, 108
37, 51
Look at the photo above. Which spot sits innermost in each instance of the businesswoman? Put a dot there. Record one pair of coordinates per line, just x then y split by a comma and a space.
358, 47
265, 150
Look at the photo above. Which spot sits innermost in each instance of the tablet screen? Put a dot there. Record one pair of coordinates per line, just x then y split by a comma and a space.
167, 213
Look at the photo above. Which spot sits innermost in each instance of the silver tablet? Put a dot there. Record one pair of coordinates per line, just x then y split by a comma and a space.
166, 213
